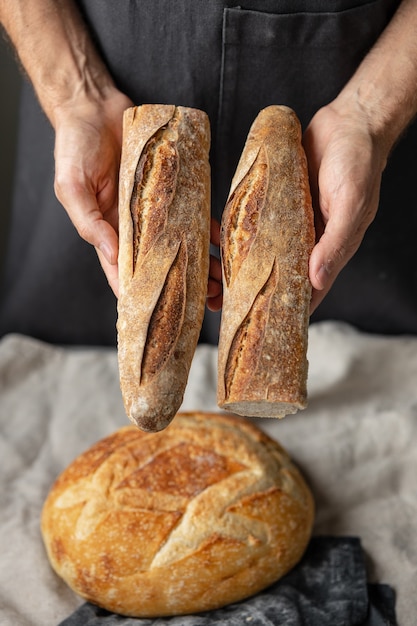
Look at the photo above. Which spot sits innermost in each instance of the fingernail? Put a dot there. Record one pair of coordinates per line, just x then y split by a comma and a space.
105, 249
323, 275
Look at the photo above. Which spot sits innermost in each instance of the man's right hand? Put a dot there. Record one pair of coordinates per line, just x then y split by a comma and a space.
81, 101
87, 159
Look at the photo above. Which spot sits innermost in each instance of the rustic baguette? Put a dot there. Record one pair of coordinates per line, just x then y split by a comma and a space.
164, 226
267, 236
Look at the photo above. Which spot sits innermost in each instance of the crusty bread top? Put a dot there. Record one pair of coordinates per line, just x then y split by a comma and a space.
205, 513
266, 240
164, 213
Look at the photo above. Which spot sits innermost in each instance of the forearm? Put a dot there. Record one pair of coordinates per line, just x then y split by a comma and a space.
56, 51
384, 88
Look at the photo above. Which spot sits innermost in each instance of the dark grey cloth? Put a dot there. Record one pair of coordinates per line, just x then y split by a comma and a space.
327, 588
229, 61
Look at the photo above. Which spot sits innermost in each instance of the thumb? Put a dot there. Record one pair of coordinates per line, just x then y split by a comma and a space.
336, 246
82, 207
111, 272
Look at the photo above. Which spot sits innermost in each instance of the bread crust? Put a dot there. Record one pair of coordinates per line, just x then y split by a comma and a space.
267, 235
204, 514
164, 226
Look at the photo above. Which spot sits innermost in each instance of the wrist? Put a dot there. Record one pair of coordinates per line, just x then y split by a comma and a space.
359, 107
79, 80
57, 53
83, 102
382, 92
385, 115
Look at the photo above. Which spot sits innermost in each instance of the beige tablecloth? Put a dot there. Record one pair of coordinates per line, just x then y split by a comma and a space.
356, 443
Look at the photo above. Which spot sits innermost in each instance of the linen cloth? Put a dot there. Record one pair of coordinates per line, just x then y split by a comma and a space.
356, 445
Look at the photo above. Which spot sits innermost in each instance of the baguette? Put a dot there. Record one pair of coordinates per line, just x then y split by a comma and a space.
267, 235
164, 233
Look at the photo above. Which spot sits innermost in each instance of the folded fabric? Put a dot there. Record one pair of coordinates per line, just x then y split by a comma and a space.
327, 588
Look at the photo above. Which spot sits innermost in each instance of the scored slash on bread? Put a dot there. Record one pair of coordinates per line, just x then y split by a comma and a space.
164, 226
267, 235
204, 514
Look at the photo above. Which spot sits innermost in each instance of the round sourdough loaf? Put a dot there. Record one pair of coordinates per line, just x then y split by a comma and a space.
203, 514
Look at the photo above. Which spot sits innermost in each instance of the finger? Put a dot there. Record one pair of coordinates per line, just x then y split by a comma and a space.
214, 286
111, 271
215, 269
215, 232
215, 304
334, 249
85, 214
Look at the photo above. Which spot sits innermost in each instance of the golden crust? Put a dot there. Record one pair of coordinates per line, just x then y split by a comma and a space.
164, 226
204, 514
266, 239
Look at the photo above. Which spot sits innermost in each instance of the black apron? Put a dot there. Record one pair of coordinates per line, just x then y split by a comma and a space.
229, 61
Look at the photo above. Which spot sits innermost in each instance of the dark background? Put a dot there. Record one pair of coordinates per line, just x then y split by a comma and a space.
10, 80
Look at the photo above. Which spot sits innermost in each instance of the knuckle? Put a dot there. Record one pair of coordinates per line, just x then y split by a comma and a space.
71, 193
85, 231
344, 251
68, 183
59, 186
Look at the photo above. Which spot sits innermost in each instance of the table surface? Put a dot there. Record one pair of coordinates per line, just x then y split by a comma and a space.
356, 444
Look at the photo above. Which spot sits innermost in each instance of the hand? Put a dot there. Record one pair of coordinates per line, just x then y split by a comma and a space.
345, 167
214, 288
87, 159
